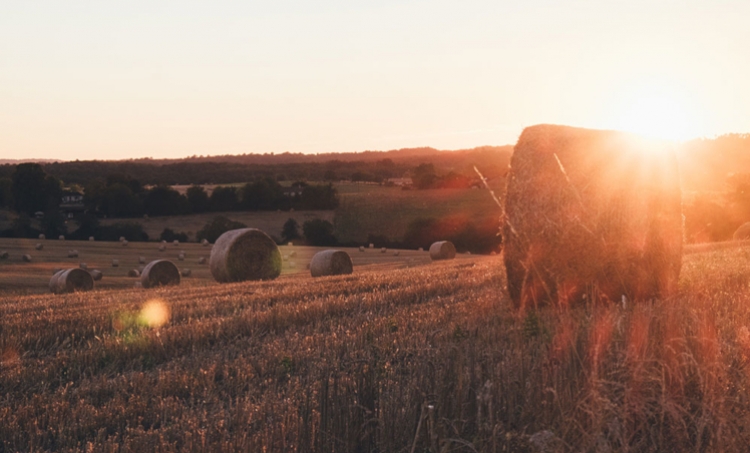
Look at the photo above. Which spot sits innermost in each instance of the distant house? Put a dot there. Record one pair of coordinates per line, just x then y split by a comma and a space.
71, 201
400, 181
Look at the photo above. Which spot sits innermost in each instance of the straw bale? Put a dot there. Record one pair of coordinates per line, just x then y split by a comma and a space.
372, 246
396, 253
4, 255
330, 262
204, 243
162, 248
590, 210
420, 249
72, 253
383, 250
134, 273
125, 243
122, 238
245, 254
42, 237
163, 241
202, 260
96, 274
442, 250
185, 272
83, 266
742, 233
140, 268
292, 255
160, 273
141, 260
290, 244
361, 248
115, 263
71, 280
39, 246
26, 258
176, 242
61, 237
181, 256
91, 238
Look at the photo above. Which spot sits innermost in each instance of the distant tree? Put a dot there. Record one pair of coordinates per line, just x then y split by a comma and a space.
6, 199
216, 227
197, 199
264, 194
424, 176
319, 197
88, 225
21, 227
163, 200
53, 223
290, 230
118, 178
132, 231
223, 198
33, 190
118, 200
169, 235
330, 175
319, 232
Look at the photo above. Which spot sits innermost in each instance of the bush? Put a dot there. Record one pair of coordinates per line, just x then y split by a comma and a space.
216, 227
290, 230
169, 235
319, 232
465, 235
131, 231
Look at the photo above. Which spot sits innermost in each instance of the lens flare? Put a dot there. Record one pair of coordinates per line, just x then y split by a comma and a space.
155, 313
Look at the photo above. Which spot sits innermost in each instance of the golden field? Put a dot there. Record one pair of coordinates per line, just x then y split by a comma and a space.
389, 359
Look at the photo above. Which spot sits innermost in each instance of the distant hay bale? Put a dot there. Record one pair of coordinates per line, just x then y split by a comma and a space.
420, 249
138, 284
61, 237
181, 256
176, 242
204, 242
4, 255
202, 260
72, 253
742, 233
591, 210
96, 274
141, 260
115, 263
186, 272
125, 243
245, 254
42, 237
396, 253
160, 273
383, 250
292, 265
71, 280
292, 255
372, 246
330, 262
162, 248
442, 250
134, 273
91, 238
122, 238
140, 268
285, 257
163, 241
361, 248
83, 266
39, 246
26, 258
290, 244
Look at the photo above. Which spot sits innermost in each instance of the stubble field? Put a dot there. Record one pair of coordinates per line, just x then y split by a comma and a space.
424, 358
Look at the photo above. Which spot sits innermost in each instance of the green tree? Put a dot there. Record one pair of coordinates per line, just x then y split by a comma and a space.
216, 227
223, 198
265, 194
319, 232
290, 230
6, 199
197, 199
163, 200
33, 190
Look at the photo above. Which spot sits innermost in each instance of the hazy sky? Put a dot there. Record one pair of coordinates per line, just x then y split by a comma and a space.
112, 80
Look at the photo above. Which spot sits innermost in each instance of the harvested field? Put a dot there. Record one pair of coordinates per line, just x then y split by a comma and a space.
432, 358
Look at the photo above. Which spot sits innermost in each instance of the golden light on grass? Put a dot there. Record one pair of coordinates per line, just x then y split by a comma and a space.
155, 313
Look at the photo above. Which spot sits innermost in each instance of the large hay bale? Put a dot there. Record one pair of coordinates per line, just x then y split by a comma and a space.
591, 210
742, 233
160, 273
71, 280
442, 250
4, 255
245, 254
330, 262
26, 258
96, 274
39, 246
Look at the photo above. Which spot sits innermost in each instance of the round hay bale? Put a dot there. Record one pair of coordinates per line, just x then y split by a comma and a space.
202, 260
72, 253
285, 257
181, 256
292, 255
204, 242
122, 238
186, 272
590, 210
71, 280
138, 284
160, 273
292, 265
372, 246
245, 254
125, 243
61, 237
396, 253
141, 260
176, 242
4, 255
162, 248
26, 258
163, 241
83, 266
42, 237
442, 250
91, 238
290, 244
134, 273
330, 262
96, 274
361, 248
742, 233
39, 246
115, 263
140, 269
420, 249
383, 250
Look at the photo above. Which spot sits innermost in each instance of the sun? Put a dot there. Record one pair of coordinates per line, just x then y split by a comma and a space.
655, 112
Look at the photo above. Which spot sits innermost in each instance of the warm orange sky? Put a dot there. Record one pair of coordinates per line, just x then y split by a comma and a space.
113, 80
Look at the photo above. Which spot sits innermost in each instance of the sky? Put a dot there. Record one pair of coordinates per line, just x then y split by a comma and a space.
132, 79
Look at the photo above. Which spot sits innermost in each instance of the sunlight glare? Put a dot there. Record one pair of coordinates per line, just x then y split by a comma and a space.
154, 313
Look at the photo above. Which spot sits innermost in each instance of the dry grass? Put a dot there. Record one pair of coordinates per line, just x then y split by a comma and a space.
431, 357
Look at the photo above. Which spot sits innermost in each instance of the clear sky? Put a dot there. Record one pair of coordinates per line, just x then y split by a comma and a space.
127, 79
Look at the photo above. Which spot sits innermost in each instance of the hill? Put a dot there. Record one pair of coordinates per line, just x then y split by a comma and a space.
428, 358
